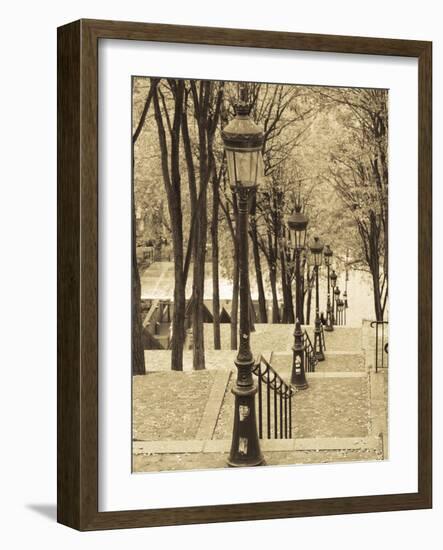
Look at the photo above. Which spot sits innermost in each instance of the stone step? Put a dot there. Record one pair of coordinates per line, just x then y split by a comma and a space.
334, 362
279, 337
266, 337
267, 445
160, 360
330, 407
341, 339
206, 460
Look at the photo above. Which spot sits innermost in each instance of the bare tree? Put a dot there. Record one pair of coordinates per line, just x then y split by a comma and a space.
206, 101
359, 171
138, 356
170, 162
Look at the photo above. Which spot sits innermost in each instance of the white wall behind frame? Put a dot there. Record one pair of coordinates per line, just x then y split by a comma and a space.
28, 184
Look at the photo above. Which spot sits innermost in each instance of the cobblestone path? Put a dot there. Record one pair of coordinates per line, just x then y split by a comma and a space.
169, 405
264, 338
334, 362
206, 461
280, 338
329, 407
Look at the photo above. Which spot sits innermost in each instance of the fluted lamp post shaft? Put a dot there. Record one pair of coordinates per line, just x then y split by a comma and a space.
316, 248
297, 223
333, 279
298, 375
327, 254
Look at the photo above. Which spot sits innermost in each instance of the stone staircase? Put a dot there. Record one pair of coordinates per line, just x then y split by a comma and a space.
339, 417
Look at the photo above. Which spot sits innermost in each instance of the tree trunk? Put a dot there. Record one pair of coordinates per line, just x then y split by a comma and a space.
172, 182
308, 307
138, 352
198, 286
235, 290
138, 355
206, 129
178, 322
288, 305
273, 281
215, 277
258, 273
376, 290
373, 259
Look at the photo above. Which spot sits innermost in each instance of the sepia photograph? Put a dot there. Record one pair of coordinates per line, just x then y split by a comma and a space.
260, 309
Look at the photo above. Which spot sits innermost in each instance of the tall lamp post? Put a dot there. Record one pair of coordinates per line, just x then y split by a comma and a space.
345, 293
297, 223
316, 248
333, 279
243, 142
327, 253
337, 300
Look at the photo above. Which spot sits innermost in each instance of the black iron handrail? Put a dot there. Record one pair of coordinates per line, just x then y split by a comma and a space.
322, 336
381, 344
275, 406
159, 314
310, 355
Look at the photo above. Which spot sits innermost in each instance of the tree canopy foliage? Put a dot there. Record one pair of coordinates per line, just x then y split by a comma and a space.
329, 145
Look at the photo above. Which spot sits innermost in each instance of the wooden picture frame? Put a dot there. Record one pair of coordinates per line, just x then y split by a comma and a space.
77, 458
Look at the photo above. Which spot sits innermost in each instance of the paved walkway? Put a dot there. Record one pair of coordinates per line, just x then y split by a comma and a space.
169, 405
279, 337
206, 461
184, 420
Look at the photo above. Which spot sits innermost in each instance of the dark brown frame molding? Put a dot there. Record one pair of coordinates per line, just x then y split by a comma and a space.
77, 456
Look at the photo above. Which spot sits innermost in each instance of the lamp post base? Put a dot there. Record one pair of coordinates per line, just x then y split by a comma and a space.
318, 344
298, 378
329, 327
245, 447
250, 464
300, 386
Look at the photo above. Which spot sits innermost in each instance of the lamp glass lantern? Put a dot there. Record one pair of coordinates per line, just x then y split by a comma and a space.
333, 278
316, 247
297, 224
243, 142
327, 254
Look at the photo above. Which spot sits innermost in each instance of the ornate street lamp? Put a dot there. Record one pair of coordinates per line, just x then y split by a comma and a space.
337, 299
298, 378
333, 279
297, 223
243, 142
345, 293
340, 311
316, 248
327, 253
